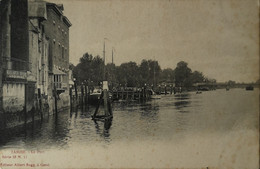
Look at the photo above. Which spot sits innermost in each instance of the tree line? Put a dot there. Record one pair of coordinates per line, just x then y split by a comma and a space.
91, 69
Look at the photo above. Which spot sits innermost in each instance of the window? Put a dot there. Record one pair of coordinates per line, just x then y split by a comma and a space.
57, 81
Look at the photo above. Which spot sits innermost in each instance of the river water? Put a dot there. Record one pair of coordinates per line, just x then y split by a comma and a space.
215, 129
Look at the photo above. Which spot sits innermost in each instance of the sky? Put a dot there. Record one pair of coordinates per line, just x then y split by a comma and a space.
218, 37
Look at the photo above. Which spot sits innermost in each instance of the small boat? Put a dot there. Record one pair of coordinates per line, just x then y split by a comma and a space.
95, 95
154, 95
198, 92
249, 88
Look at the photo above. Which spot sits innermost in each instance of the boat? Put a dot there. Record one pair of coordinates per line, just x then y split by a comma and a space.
249, 88
198, 92
95, 95
154, 95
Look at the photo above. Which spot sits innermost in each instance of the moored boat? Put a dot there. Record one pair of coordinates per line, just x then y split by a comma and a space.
249, 88
154, 95
95, 95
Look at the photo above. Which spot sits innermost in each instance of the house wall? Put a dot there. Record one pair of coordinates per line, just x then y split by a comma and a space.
13, 97
19, 34
58, 34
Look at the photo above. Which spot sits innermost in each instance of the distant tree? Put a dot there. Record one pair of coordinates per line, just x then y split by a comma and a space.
197, 77
167, 75
127, 74
89, 68
71, 66
210, 80
182, 74
231, 83
111, 74
150, 72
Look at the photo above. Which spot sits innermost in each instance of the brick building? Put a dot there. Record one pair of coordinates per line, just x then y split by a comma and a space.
34, 56
57, 30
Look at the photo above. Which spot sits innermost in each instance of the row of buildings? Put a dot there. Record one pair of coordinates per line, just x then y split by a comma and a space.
34, 57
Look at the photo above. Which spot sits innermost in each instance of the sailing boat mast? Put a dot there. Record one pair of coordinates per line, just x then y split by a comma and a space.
154, 73
112, 57
104, 58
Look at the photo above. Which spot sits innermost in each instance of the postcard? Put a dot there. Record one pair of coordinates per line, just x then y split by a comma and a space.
129, 84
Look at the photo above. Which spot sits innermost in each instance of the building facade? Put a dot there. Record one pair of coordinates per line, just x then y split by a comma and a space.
57, 30
33, 58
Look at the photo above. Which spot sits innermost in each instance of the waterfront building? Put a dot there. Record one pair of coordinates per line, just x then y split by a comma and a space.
33, 57
57, 30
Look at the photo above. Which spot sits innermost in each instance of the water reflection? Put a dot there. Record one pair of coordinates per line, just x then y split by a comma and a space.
182, 101
149, 111
105, 131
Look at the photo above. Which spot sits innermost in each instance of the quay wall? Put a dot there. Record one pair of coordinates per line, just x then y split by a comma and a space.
13, 97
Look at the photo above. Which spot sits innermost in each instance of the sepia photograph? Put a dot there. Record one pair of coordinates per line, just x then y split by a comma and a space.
129, 84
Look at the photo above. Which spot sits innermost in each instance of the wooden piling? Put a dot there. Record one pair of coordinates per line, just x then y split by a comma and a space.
40, 102
105, 97
99, 102
86, 95
82, 96
76, 91
71, 101
25, 103
55, 101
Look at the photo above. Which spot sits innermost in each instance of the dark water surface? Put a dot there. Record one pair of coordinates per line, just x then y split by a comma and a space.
188, 118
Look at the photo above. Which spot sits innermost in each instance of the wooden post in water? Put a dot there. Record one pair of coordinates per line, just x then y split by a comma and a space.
40, 102
55, 101
76, 91
99, 102
86, 94
107, 106
82, 95
71, 99
171, 89
25, 103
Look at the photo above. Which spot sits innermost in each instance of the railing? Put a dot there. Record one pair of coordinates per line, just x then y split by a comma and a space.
16, 64
60, 85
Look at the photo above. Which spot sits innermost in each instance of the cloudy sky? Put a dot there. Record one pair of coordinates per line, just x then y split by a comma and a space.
217, 37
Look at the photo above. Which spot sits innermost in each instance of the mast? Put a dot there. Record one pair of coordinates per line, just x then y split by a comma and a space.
154, 73
104, 58
112, 57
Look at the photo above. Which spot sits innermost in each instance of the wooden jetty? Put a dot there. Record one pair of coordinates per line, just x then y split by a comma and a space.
131, 95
